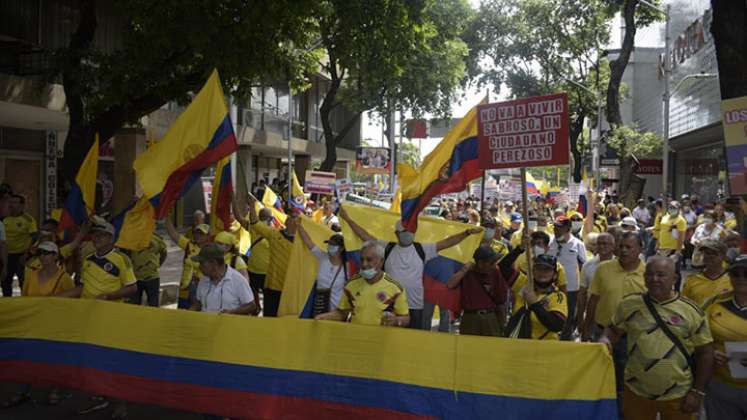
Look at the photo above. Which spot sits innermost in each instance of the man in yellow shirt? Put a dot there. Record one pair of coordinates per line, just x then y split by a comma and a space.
671, 228
146, 263
540, 243
259, 251
281, 242
190, 269
713, 280
20, 230
372, 297
670, 350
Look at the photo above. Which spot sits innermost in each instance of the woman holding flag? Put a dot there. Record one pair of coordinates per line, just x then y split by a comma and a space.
332, 274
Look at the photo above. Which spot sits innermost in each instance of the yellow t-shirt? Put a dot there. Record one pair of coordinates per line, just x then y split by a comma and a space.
367, 302
553, 301
500, 247
700, 289
655, 369
728, 323
106, 274
521, 265
280, 250
33, 263
236, 263
146, 262
667, 227
60, 282
612, 283
259, 259
657, 222
190, 268
18, 233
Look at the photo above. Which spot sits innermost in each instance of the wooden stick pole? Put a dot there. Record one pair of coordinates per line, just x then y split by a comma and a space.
525, 216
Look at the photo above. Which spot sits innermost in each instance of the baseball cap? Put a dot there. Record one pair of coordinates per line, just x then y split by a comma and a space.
335, 239
546, 261
739, 262
715, 245
488, 222
102, 225
48, 247
562, 221
485, 253
516, 218
629, 221
508, 204
225, 238
210, 251
204, 228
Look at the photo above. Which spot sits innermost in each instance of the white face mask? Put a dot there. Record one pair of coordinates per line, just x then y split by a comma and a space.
532, 225
708, 221
538, 250
489, 234
576, 226
673, 212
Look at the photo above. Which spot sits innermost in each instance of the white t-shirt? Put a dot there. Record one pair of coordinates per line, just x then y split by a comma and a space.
2, 231
588, 270
702, 234
642, 215
571, 255
405, 266
330, 220
231, 292
329, 276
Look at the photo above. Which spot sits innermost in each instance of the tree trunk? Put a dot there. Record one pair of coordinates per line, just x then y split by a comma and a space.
730, 39
577, 127
331, 140
617, 69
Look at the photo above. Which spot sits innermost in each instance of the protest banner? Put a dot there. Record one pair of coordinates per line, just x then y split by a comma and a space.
372, 160
734, 117
318, 182
343, 187
522, 133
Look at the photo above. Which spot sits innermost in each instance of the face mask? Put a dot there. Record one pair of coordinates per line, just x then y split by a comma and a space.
369, 273
538, 250
332, 250
708, 221
673, 212
268, 222
406, 238
576, 226
489, 234
543, 285
532, 225
732, 254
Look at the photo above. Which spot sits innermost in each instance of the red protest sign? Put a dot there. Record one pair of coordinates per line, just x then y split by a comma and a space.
524, 132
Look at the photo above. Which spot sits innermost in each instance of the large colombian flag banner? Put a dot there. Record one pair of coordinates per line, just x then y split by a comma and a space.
380, 224
80, 202
201, 136
274, 368
447, 169
220, 200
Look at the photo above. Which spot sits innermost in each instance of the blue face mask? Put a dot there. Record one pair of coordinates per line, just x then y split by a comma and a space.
489, 234
406, 238
369, 273
333, 250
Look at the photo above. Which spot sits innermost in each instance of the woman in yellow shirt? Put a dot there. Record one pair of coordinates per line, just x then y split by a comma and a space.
49, 279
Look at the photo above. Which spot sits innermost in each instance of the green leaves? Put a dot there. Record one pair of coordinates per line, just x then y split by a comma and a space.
629, 140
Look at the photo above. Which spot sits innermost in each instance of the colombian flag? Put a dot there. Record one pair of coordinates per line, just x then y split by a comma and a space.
200, 137
532, 185
448, 168
80, 202
220, 201
272, 202
269, 368
298, 200
135, 225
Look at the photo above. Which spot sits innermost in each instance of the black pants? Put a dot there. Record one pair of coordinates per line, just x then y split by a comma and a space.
416, 320
272, 302
570, 321
15, 267
152, 289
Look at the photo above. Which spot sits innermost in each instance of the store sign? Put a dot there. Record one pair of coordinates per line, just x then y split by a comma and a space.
318, 182
689, 42
649, 167
734, 119
701, 167
50, 159
526, 132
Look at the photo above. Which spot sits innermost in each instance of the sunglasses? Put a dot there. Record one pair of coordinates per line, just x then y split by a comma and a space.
42, 252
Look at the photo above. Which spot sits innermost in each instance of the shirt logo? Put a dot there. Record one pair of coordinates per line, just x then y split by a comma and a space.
108, 267
675, 320
381, 296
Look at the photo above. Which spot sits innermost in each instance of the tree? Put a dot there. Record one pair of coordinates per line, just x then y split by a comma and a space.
167, 49
635, 17
730, 38
383, 55
534, 47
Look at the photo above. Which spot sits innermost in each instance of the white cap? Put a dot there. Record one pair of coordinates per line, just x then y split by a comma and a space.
629, 221
49, 247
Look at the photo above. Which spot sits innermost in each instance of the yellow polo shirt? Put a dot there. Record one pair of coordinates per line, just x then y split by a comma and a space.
367, 302
259, 259
700, 289
280, 250
146, 262
18, 232
553, 301
654, 370
728, 322
190, 268
667, 227
611, 283
235, 261
106, 274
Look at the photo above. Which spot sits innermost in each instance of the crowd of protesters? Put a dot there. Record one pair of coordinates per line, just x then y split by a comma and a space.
614, 275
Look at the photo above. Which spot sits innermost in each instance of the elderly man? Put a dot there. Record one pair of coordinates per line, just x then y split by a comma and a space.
605, 248
670, 350
571, 254
372, 297
702, 287
405, 261
222, 289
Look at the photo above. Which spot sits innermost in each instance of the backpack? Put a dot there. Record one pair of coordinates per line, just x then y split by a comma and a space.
418, 248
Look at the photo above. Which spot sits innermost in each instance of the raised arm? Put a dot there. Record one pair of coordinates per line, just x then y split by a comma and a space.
362, 233
589, 216
305, 237
252, 210
455, 239
171, 230
239, 215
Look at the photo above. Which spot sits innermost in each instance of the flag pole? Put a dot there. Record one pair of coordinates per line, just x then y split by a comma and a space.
484, 172
525, 216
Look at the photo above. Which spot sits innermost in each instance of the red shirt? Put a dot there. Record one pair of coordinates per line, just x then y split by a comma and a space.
483, 290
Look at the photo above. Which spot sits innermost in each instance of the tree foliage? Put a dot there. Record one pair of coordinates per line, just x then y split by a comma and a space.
629, 141
383, 55
167, 49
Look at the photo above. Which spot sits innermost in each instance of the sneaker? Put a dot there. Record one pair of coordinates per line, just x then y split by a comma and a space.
95, 407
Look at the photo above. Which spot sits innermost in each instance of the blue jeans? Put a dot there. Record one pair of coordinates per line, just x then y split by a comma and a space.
444, 316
